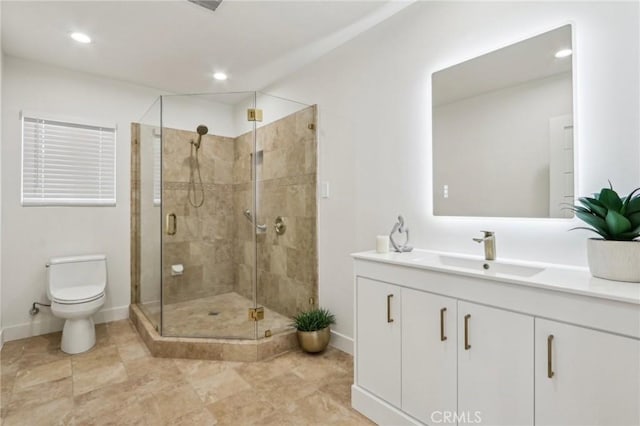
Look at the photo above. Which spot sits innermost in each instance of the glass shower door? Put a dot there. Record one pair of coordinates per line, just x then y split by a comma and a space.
224, 207
208, 205
286, 171
146, 215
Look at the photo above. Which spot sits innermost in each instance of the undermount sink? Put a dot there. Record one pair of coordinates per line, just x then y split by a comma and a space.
490, 266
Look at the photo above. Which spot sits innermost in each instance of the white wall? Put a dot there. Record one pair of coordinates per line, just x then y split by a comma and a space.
30, 235
378, 85
188, 111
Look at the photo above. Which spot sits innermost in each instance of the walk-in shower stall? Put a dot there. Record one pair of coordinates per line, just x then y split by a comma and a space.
224, 214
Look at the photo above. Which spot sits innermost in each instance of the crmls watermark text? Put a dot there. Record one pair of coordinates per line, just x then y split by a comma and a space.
453, 417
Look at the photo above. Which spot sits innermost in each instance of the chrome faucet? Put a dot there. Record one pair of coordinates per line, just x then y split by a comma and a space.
489, 241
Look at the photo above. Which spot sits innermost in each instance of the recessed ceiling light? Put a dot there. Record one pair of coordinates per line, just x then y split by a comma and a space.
563, 53
81, 38
220, 76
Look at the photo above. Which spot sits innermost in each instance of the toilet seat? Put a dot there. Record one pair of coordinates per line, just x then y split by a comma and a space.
78, 294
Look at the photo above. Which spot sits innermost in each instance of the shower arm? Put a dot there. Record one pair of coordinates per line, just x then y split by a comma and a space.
249, 216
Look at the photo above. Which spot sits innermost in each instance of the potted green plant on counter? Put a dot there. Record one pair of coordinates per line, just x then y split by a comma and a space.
616, 255
314, 329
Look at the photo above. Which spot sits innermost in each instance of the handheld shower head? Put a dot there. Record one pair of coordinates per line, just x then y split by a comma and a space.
201, 130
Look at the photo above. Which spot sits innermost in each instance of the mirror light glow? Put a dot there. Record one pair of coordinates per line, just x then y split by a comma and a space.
81, 38
563, 53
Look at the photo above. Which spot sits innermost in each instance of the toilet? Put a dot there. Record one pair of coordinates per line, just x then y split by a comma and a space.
76, 287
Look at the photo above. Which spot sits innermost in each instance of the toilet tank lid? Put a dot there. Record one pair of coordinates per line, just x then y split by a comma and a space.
76, 259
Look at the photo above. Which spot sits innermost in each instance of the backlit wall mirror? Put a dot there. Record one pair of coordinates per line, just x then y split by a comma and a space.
503, 131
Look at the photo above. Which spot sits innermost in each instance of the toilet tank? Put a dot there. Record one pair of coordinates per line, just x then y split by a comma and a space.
75, 271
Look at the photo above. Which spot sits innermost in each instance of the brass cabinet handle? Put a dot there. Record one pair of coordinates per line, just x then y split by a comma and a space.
442, 336
389, 319
550, 372
467, 346
171, 224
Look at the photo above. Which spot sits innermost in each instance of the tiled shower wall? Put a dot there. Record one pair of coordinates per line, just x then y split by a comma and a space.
204, 241
214, 242
286, 172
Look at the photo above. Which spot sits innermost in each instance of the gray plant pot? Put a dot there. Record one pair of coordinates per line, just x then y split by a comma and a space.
614, 260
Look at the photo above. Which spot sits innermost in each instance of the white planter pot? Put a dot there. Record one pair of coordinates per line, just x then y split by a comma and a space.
614, 260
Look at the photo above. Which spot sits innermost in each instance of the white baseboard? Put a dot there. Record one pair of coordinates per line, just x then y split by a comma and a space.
342, 342
50, 324
112, 314
1, 338
381, 412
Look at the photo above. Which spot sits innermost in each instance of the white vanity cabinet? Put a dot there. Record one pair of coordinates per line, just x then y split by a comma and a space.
378, 346
429, 355
495, 365
440, 345
585, 377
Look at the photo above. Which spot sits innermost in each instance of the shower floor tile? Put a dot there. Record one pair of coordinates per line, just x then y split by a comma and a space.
221, 316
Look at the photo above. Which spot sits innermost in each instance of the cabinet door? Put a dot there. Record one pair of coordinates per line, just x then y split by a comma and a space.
378, 336
495, 365
595, 376
429, 359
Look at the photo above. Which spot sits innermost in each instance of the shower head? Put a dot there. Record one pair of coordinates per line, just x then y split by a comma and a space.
201, 130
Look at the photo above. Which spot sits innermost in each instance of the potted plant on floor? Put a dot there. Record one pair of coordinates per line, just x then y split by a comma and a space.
314, 329
615, 256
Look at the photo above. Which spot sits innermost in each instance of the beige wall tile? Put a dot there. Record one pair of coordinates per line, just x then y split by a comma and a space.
278, 260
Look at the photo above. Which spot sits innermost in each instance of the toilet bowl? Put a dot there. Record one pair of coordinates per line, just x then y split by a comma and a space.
76, 287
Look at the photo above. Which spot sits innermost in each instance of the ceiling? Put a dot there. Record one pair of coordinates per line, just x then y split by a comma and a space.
176, 45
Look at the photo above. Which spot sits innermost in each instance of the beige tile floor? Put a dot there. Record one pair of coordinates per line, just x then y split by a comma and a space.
119, 383
191, 318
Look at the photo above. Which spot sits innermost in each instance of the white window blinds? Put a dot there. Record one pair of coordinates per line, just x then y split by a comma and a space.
67, 163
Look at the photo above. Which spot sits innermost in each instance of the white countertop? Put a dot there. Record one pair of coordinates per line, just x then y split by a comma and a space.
568, 279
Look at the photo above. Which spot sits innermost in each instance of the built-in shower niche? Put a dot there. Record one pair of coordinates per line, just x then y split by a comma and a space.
233, 259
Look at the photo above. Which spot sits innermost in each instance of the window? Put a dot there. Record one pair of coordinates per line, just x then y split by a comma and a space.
67, 163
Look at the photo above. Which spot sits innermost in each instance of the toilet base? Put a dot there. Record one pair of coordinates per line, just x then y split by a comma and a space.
78, 335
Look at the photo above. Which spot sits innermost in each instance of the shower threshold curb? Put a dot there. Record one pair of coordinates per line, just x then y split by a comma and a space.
210, 349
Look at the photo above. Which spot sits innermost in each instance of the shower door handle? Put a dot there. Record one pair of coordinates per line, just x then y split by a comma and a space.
171, 224
249, 216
